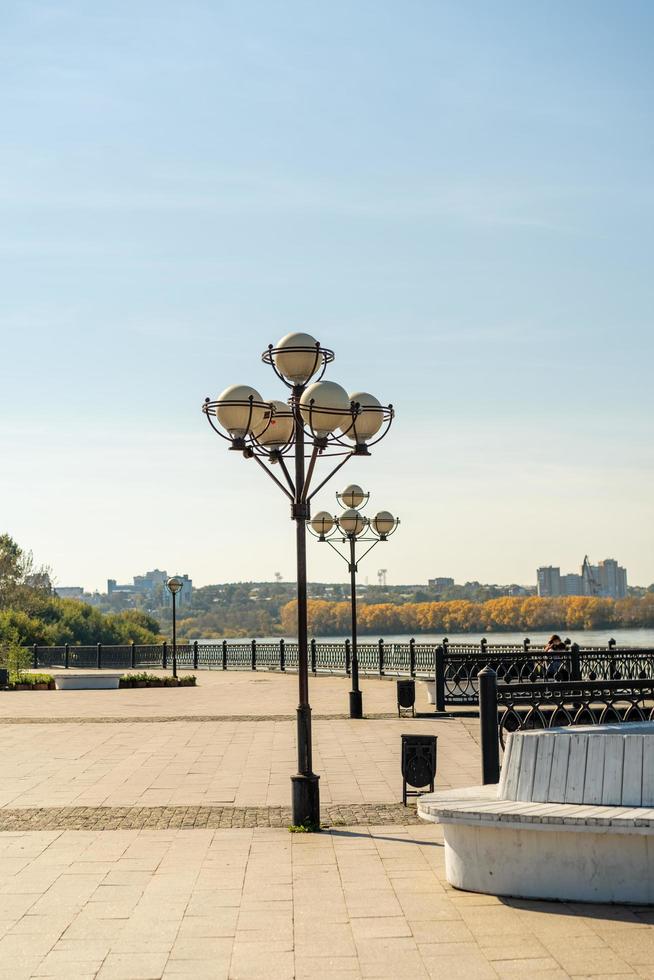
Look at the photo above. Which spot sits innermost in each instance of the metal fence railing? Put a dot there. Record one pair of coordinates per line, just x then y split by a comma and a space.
506, 708
453, 667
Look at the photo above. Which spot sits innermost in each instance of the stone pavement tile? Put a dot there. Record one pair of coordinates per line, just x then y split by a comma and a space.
436, 931
30, 881
376, 928
72, 963
40, 925
220, 923
19, 968
133, 966
591, 962
89, 926
503, 948
492, 921
636, 948
261, 961
258, 926
196, 970
213, 898
16, 905
319, 938
419, 908
202, 948
464, 965
13, 947
538, 966
392, 957
325, 967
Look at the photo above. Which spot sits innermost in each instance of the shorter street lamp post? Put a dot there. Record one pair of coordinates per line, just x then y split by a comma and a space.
174, 585
353, 527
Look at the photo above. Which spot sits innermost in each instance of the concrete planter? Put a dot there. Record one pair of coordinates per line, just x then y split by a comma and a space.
87, 682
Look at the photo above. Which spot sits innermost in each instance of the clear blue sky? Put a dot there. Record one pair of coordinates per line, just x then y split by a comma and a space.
456, 196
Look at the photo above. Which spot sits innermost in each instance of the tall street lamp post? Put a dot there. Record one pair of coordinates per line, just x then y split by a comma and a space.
174, 585
319, 419
352, 528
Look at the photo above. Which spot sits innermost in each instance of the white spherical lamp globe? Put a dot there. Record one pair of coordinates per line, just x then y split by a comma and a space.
383, 522
296, 357
278, 430
353, 496
322, 523
369, 420
351, 521
324, 405
236, 414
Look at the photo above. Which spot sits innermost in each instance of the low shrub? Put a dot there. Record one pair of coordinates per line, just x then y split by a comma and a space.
145, 679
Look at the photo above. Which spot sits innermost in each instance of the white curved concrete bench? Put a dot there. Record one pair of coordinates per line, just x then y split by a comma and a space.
571, 819
99, 681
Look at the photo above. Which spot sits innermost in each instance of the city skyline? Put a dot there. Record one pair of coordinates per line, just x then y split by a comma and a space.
155, 578
470, 232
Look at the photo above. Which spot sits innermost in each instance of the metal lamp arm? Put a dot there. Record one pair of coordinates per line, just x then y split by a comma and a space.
329, 476
368, 550
274, 478
334, 548
284, 468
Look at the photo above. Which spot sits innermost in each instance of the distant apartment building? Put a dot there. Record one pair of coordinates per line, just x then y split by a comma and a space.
440, 583
548, 579
69, 591
612, 578
606, 580
151, 586
571, 584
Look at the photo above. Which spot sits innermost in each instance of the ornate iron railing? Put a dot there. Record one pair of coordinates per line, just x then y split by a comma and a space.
563, 703
454, 666
506, 708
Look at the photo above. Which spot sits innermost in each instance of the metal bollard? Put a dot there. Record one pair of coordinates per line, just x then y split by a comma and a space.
488, 723
282, 655
99, 656
195, 655
412, 657
224, 654
313, 656
253, 647
347, 657
439, 671
381, 658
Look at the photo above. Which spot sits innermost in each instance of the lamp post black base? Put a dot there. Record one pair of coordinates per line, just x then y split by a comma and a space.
356, 704
305, 800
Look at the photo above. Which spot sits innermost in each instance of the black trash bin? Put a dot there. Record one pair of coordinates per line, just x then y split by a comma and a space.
406, 696
418, 764
4, 677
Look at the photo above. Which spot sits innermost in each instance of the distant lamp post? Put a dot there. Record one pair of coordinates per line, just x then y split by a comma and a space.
353, 527
319, 419
174, 585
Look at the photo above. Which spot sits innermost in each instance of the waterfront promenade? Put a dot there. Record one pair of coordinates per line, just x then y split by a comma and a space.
143, 835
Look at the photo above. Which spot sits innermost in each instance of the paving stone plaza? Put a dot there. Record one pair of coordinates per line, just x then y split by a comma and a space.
143, 834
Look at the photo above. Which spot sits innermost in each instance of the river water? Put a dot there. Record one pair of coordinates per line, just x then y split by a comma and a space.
592, 638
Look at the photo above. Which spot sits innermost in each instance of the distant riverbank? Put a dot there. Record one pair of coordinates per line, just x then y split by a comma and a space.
623, 637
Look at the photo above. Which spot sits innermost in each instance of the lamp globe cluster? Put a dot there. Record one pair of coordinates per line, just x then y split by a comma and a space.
332, 420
